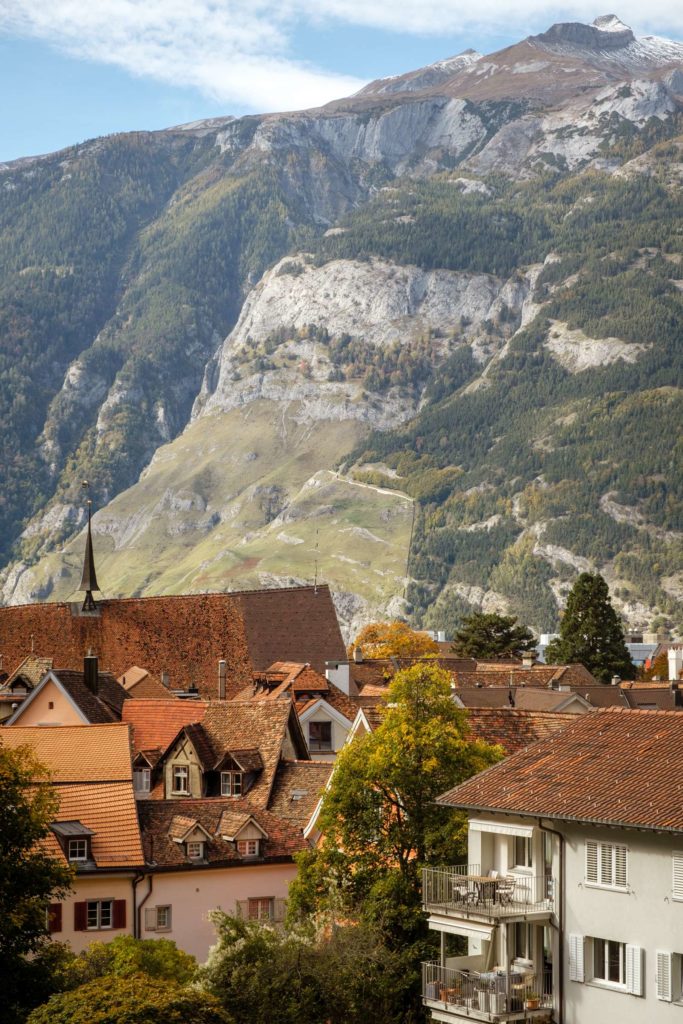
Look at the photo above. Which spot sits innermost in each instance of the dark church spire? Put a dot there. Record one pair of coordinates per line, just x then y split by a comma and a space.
89, 577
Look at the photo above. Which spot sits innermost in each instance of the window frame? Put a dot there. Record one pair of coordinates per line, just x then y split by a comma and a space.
259, 903
602, 947
146, 774
603, 861
166, 927
179, 771
235, 784
77, 841
99, 906
199, 844
321, 745
527, 861
243, 847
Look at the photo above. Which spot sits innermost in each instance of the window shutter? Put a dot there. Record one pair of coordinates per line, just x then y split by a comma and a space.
80, 916
151, 919
663, 975
591, 860
119, 920
54, 918
621, 866
678, 876
576, 969
606, 871
634, 970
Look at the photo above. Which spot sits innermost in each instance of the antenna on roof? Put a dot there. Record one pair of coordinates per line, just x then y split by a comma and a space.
89, 577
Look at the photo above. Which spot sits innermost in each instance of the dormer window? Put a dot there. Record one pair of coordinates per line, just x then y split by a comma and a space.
142, 778
77, 850
195, 850
248, 847
181, 779
231, 784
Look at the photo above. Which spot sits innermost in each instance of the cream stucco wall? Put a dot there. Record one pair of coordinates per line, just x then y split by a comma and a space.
39, 712
339, 734
100, 887
194, 893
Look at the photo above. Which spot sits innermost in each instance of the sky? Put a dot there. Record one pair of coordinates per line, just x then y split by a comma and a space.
71, 70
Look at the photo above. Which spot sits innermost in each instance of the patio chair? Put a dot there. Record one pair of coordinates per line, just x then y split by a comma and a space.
506, 889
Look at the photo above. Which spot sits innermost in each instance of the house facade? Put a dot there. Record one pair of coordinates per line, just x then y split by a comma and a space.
571, 904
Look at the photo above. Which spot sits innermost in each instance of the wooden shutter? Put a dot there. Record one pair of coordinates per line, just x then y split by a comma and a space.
576, 968
634, 970
54, 918
80, 916
606, 864
119, 917
678, 876
621, 866
591, 860
663, 975
151, 919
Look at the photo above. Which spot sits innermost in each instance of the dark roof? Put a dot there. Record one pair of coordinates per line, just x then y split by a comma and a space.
525, 698
514, 729
613, 767
71, 828
105, 706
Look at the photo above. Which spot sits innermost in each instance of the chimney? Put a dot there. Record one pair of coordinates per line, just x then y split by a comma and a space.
441, 636
528, 659
91, 672
337, 672
358, 655
675, 658
222, 678
616, 680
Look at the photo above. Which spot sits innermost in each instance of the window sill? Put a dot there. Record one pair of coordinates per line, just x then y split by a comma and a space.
610, 986
607, 888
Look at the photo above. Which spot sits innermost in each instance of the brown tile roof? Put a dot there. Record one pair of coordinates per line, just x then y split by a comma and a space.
525, 698
184, 635
297, 789
77, 753
504, 674
514, 729
155, 723
180, 825
284, 838
31, 668
231, 822
104, 706
600, 695
614, 767
138, 682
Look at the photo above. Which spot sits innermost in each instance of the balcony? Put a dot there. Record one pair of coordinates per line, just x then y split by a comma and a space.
463, 892
489, 996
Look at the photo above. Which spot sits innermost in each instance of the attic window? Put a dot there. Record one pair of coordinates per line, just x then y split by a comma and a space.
195, 851
142, 779
181, 778
298, 794
77, 850
231, 784
320, 736
248, 847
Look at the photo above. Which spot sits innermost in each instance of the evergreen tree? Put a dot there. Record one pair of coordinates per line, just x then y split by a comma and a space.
492, 636
591, 633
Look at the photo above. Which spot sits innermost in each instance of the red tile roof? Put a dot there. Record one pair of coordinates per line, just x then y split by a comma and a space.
156, 722
514, 729
613, 767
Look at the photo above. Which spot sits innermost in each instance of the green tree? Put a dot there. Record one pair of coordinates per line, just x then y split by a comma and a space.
492, 636
126, 956
591, 633
29, 877
133, 999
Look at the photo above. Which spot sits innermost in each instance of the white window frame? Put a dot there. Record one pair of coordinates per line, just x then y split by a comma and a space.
142, 779
248, 847
163, 918
195, 849
101, 913
264, 907
81, 845
526, 864
603, 867
232, 784
180, 772
602, 946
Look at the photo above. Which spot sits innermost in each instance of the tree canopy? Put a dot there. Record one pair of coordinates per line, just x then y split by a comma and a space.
393, 640
591, 632
483, 635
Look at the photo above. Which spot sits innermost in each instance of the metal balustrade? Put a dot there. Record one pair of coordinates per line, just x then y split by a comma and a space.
491, 995
462, 889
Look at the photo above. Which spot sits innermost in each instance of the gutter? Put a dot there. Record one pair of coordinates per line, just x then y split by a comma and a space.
574, 819
560, 916
137, 910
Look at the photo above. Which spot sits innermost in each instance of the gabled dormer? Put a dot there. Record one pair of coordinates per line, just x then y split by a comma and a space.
234, 774
75, 839
191, 835
185, 764
244, 832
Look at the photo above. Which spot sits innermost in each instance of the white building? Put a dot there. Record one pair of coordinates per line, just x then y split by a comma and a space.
571, 905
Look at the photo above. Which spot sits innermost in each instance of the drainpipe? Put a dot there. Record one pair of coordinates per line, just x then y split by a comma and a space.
138, 910
560, 917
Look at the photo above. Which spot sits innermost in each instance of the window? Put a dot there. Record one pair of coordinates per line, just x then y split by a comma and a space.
181, 778
248, 847
677, 882
78, 849
669, 976
158, 919
260, 908
609, 961
606, 865
231, 784
141, 780
195, 850
523, 940
99, 914
522, 851
320, 735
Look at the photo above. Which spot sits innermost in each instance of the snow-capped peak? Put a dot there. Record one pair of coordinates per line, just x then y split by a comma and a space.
610, 23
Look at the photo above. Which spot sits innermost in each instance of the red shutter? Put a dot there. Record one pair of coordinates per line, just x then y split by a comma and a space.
119, 914
54, 918
80, 916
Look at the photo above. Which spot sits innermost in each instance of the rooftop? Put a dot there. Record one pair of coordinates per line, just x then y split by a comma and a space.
154, 723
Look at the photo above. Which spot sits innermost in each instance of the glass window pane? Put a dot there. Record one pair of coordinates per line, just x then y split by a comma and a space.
599, 958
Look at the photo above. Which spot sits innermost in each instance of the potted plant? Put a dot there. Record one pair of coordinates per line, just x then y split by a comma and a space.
532, 1001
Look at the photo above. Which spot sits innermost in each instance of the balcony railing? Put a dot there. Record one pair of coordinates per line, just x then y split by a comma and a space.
463, 890
270, 911
492, 996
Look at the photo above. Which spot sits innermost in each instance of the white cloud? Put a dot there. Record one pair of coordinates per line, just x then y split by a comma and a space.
238, 51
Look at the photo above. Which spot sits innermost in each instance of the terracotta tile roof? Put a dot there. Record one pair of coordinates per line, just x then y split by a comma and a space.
138, 682
104, 706
31, 668
77, 753
525, 698
614, 767
180, 825
185, 634
284, 839
231, 822
514, 729
298, 786
155, 723
92, 775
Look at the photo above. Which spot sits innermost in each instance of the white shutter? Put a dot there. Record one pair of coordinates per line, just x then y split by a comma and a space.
663, 975
591, 860
606, 865
678, 876
634, 970
576, 969
150, 919
621, 866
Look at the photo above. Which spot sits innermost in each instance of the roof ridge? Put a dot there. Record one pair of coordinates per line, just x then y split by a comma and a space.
183, 597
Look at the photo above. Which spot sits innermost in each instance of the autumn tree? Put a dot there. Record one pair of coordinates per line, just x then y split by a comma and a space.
488, 635
591, 632
393, 640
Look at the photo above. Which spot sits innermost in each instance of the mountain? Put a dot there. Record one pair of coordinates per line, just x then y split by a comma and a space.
423, 341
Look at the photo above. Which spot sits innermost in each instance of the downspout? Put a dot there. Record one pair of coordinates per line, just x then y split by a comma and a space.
560, 916
138, 910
